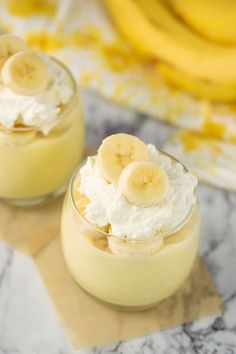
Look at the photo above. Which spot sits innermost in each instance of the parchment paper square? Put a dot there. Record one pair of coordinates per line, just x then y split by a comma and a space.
89, 323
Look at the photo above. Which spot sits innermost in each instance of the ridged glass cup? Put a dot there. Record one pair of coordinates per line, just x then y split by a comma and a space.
37, 168
128, 282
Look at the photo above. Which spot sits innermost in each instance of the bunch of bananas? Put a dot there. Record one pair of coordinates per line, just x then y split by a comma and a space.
191, 42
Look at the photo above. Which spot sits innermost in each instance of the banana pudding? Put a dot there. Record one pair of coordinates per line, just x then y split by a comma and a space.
41, 125
130, 224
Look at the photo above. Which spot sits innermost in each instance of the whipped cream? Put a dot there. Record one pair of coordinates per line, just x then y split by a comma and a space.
41, 110
108, 206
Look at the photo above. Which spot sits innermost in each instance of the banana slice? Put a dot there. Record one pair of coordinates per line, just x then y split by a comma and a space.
116, 152
25, 73
81, 203
144, 183
134, 248
16, 138
9, 45
101, 243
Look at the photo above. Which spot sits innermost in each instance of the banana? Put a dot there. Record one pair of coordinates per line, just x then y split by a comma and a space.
124, 247
25, 73
101, 243
116, 152
167, 39
214, 19
225, 92
81, 200
81, 203
9, 45
144, 183
16, 138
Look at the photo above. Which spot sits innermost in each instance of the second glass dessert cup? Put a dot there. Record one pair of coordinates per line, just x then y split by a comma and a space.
36, 168
128, 282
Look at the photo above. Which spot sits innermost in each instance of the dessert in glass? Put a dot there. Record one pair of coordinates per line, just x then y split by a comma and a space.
130, 224
41, 125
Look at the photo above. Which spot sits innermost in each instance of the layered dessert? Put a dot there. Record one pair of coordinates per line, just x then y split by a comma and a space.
41, 124
130, 224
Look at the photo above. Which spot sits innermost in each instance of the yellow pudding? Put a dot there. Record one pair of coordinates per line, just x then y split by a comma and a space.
142, 270
42, 141
129, 281
34, 165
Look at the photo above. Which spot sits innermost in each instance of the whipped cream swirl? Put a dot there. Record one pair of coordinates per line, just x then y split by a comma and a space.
108, 206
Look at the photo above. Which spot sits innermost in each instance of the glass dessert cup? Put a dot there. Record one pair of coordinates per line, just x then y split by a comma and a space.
36, 168
129, 282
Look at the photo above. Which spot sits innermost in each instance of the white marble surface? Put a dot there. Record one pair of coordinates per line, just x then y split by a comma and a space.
28, 321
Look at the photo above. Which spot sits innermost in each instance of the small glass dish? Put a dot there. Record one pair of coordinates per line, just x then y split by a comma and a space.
127, 282
36, 168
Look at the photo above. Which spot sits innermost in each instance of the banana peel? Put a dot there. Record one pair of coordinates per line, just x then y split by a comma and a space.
189, 53
214, 19
225, 92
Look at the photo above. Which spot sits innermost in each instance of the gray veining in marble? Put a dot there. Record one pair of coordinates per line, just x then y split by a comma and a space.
28, 322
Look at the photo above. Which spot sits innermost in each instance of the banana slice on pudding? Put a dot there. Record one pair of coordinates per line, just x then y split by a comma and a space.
144, 183
9, 45
25, 73
16, 138
116, 152
121, 247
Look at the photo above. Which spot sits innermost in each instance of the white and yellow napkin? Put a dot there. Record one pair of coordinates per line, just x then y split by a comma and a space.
81, 34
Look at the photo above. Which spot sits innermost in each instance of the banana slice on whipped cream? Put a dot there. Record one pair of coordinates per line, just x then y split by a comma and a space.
123, 160
144, 183
10, 45
25, 73
116, 152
